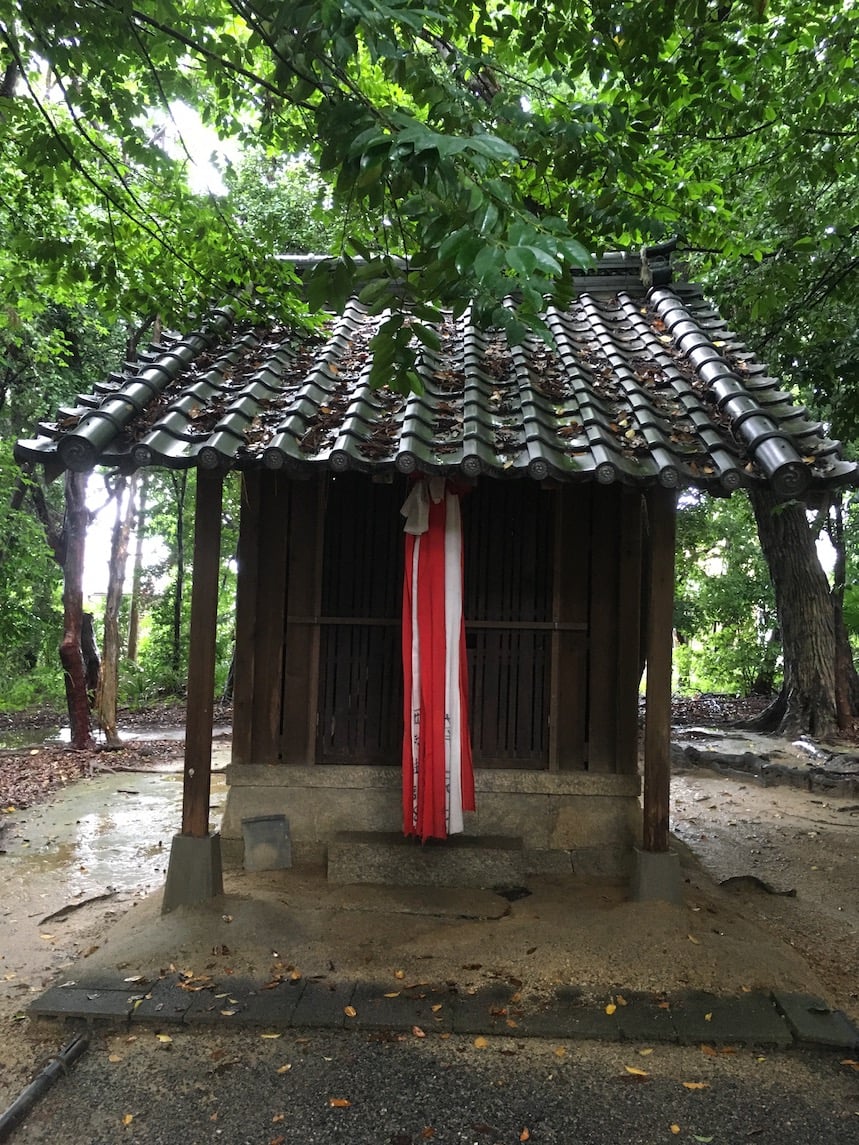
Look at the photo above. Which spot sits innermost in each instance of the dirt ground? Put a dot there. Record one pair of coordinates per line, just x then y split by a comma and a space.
786, 917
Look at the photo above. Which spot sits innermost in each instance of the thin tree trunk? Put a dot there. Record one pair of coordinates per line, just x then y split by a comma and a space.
108, 685
71, 656
807, 702
846, 677
137, 575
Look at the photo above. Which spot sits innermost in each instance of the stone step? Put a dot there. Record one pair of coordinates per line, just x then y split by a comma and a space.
390, 859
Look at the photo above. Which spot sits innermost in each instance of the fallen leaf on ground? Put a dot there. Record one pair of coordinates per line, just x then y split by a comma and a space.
708, 1017
273, 1035
350, 1011
559, 1052
399, 974
610, 1008
127, 1120
339, 1102
525, 1135
645, 1052
393, 994
114, 1058
278, 1117
165, 1039
696, 1085
621, 1001
708, 1050
850, 1062
636, 1071
418, 1032
481, 1043
285, 1068
692, 938
674, 1128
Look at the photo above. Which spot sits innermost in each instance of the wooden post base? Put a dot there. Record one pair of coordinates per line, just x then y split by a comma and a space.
656, 877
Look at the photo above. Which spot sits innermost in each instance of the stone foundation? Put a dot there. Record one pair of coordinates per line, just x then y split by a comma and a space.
594, 819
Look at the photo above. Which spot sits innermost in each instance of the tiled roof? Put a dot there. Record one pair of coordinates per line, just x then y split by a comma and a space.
641, 387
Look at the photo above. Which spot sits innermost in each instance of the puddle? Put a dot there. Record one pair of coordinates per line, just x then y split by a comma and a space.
109, 833
13, 739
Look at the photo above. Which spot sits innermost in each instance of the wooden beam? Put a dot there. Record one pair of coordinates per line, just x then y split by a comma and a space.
201, 656
661, 514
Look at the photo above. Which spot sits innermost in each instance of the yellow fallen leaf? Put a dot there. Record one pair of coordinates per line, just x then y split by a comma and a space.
285, 1068
436, 1007
559, 1052
692, 938
272, 1036
278, 1117
708, 1050
708, 1017
621, 1001
127, 1120
696, 1085
47, 937
393, 994
851, 1063
165, 1039
295, 975
481, 1043
229, 1013
610, 1008
339, 1102
633, 1069
399, 974
675, 1129
350, 1011
114, 1058
646, 1052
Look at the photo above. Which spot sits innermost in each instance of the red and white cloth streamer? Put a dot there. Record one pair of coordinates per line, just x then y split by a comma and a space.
438, 778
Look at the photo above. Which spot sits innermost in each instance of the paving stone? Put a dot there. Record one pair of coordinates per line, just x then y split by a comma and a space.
484, 1012
813, 1023
645, 1018
219, 1003
322, 1004
163, 1001
275, 1007
751, 1019
567, 1014
83, 1002
430, 1009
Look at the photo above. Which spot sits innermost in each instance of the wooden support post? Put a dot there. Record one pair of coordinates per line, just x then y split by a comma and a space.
661, 510
629, 631
201, 656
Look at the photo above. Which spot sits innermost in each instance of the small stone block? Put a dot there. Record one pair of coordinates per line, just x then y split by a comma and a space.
566, 1014
749, 1018
83, 1002
322, 1004
645, 1018
485, 1012
813, 1023
410, 1007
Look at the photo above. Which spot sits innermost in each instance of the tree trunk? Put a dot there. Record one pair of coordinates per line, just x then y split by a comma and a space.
846, 677
71, 655
108, 685
137, 576
807, 701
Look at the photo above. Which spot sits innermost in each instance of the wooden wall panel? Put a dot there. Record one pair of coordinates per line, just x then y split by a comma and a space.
246, 615
270, 607
569, 643
602, 683
629, 630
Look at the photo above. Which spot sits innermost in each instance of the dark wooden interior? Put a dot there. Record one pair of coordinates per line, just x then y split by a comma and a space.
553, 590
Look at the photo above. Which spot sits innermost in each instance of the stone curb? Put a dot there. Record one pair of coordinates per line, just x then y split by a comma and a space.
767, 1019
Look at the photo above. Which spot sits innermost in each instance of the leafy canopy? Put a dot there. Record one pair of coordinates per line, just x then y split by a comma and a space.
472, 149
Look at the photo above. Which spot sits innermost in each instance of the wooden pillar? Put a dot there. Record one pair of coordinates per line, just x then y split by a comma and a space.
661, 511
604, 632
270, 618
201, 656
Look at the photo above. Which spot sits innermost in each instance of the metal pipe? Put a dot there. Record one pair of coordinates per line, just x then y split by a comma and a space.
43, 1081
